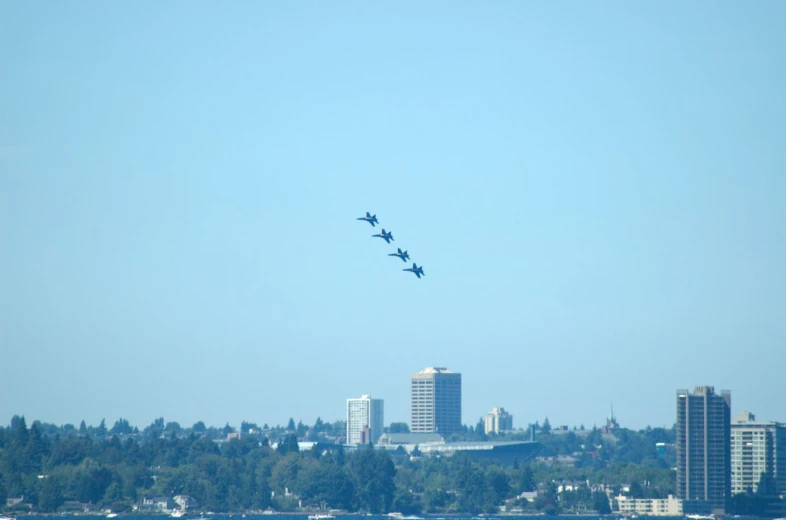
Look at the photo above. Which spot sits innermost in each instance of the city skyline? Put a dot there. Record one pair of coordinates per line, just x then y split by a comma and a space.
481, 420
597, 195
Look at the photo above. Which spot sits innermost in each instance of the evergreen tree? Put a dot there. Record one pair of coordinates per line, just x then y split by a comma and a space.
288, 445
121, 427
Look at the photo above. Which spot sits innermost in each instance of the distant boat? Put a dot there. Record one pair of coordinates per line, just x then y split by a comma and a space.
320, 516
177, 513
111, 515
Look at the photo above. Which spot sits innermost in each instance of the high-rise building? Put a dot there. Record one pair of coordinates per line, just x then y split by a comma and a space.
758, 456
365, 420
498, 420
704, 447
435, 405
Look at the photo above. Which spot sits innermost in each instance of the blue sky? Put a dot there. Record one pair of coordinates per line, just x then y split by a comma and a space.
596, 191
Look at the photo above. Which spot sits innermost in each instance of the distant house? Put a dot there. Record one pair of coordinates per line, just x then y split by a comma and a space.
155, 505
75, 506
529, 496
562, 460
575, 485
11, 502
185, 502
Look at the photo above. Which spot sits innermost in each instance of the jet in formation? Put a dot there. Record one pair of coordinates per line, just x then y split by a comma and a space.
388, 236
371, 219
417, 270
403, 255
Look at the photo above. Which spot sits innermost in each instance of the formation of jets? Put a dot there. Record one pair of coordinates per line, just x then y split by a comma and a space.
388, 236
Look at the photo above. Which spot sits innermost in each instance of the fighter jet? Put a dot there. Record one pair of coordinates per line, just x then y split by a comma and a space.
404, 256
371, 219
387, 236
417, 270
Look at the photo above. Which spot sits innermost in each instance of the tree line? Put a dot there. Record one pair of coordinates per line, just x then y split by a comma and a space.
115, 468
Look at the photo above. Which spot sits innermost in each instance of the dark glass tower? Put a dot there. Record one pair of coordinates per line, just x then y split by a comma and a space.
704, 447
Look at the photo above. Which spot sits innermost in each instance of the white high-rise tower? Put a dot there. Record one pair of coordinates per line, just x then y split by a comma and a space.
365, 420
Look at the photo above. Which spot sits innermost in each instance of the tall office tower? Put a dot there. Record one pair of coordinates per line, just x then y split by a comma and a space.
758, 456
435, 405
704, 447
365, 420
498, 420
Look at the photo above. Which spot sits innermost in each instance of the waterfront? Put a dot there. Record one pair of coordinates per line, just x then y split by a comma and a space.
304, 516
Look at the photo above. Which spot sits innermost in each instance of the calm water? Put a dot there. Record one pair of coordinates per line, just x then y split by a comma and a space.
303, 516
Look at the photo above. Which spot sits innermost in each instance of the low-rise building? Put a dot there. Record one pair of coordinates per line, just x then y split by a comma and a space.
502, 452
157, 505
410, 438
670, 506
75, 506
185, 502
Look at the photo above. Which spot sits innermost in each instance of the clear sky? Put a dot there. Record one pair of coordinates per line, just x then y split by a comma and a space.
596, 191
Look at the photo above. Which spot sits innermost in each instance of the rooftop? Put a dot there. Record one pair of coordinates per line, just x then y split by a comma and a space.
435, 370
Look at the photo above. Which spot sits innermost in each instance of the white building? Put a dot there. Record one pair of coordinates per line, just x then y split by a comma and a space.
758, 454
498, 420
650, 506
365, 420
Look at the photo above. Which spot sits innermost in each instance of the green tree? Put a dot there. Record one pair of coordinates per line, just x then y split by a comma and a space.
173, 427
398, 427
51, 492
102, 431
155, 430
601, 503
121, 427
288, 445
372, 474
